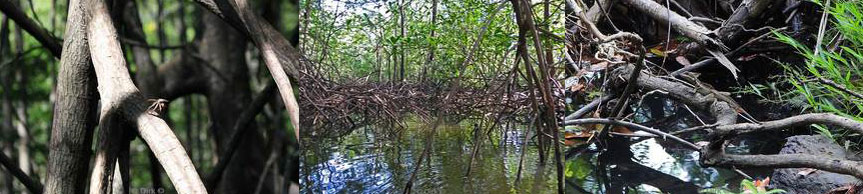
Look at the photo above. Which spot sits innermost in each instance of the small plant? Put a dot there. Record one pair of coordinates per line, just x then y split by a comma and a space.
749, 187
831, 80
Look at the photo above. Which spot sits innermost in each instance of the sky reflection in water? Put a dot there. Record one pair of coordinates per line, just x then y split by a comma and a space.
364, 162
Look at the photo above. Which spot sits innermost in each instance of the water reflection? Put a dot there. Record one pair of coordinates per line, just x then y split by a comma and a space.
646, 166
367, 162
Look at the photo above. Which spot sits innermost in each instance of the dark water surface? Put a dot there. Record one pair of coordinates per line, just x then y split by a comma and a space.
642, 167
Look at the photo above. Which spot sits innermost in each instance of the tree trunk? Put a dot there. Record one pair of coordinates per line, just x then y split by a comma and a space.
74, 111
524, 16
401, 43
229, 84
432, 47
121, 100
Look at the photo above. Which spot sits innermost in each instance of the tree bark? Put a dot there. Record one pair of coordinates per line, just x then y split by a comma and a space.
229, 83
525, 19
121, 98
432, 47
74, 111
280, 57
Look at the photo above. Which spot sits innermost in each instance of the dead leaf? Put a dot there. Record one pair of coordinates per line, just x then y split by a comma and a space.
660, 49
576, 87
724, 61
845, 189
574, 142
621, 129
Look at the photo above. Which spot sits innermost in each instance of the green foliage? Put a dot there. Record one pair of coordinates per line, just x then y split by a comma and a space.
748, 186
364, 40
836, 62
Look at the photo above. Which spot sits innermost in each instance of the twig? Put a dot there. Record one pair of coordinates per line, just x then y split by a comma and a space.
595, 31
31, 185
734, 52
821, 27
631, 126
41, 35
589, 107
240, 129
687, 130
840, 87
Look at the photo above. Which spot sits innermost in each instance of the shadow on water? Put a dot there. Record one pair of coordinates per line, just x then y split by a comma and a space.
652, 165
366, 161
641, 167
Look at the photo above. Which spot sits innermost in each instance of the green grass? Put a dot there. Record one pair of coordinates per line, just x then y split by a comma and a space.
837, 61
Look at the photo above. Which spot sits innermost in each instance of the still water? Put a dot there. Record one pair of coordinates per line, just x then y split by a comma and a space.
370, 160
366, 162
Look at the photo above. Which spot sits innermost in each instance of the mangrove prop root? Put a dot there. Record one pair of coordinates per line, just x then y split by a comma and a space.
726, 127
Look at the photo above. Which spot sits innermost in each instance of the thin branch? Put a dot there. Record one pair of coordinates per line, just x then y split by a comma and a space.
589, 107
840, 87
732, 53
795, 121
280, 57
789, 161
41, 35
239, 129
687, 28
32, 185
631, 126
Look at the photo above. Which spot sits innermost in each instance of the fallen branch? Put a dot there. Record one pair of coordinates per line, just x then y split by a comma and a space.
787, 161
631, 126
591, 26
726, 127
678, 23
688, 28
795, 121
589, 107
700, 98
745, 15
